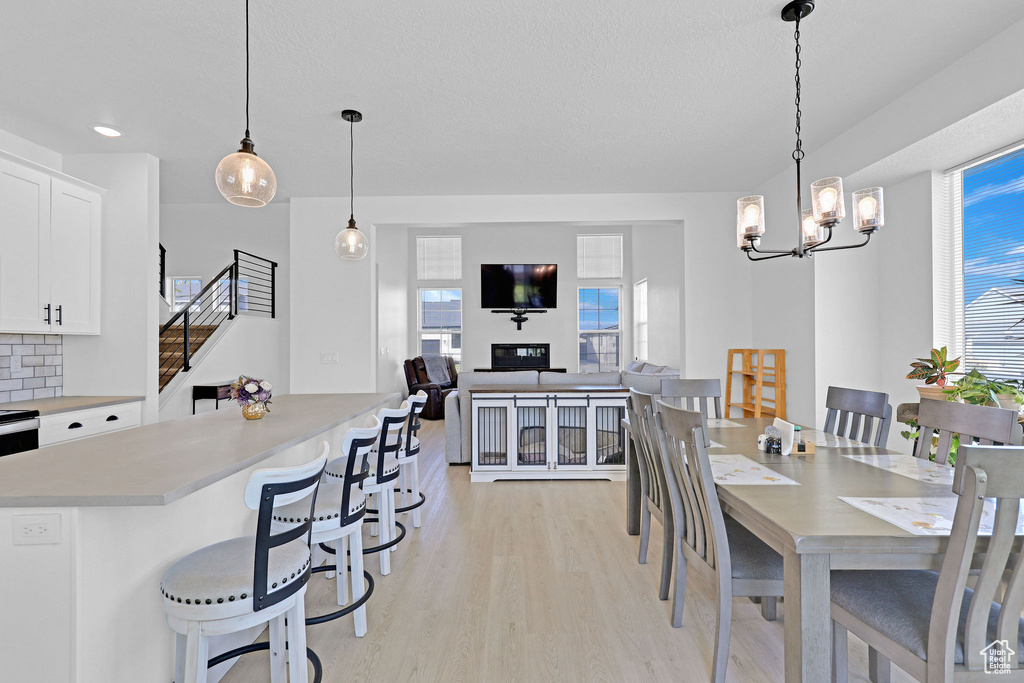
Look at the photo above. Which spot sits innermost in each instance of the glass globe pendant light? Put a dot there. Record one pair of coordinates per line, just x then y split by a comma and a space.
351, 244
242, 177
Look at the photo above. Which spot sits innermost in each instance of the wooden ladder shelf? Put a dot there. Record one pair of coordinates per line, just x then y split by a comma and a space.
758, 369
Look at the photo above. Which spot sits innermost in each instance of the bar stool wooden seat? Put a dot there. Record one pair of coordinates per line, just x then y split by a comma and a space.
338, 517
244, 582
382, 474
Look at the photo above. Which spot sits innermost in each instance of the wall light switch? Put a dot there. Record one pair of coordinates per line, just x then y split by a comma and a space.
36, 529
15, 362
329, 358
382, 350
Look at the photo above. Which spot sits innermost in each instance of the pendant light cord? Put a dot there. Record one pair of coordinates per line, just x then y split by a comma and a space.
246, 68
351, 169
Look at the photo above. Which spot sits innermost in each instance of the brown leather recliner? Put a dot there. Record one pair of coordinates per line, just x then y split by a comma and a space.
416, 378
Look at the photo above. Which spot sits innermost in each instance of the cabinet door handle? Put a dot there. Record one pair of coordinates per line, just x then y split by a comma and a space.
75, 425
60, 315
112, 418
47, 309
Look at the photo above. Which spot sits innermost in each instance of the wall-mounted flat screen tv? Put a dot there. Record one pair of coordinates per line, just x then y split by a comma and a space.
518, 286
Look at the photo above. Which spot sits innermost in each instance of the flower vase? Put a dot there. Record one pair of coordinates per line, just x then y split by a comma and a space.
254, 411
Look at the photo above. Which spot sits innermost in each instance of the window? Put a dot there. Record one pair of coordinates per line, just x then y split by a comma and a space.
224, 295
599, 257
988, 258
440, 313
640, 320
438, 258
599, 329
183, 289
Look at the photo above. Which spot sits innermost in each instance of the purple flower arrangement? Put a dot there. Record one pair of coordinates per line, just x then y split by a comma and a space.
249, 390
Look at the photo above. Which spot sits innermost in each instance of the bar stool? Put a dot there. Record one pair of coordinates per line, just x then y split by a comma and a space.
338, 516
408, 465
382, 465
244, 582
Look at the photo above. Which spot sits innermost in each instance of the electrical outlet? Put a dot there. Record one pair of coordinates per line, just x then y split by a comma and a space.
328, 358
36, 529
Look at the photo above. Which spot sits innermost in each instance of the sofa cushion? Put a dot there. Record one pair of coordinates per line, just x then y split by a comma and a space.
649, 369
579, 378
635, 365
649, 384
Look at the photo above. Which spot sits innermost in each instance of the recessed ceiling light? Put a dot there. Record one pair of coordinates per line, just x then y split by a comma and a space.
106, 131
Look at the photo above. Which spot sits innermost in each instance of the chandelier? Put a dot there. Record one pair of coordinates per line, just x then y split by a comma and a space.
828, 206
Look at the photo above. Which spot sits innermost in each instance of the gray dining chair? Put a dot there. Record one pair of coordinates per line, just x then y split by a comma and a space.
985, 425
931, 625
859, 415
693, 394
717, 546
654, 498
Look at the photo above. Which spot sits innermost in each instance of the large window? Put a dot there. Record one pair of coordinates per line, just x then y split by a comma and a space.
640, 329
989, 203
438, 258
599, 329
599, 257
183, 289
440, 322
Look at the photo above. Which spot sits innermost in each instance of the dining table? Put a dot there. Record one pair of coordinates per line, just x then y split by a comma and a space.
846, 505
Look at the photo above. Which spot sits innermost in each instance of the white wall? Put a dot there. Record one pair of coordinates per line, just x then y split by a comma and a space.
658, 257
333, 301
200, 240
122, 359
394, 333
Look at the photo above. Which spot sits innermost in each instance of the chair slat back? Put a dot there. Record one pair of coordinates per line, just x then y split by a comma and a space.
270, 488
693, 394
355, 448
650, 459
984, 424
985, 472
863, 416
392, 424
682, 437
416, 403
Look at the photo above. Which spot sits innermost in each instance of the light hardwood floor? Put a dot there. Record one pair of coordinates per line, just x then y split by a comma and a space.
528, 581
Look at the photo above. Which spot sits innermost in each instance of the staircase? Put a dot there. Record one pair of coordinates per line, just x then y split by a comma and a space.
246, 286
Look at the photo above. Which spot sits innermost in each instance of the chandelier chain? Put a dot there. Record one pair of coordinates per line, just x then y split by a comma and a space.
798, 153
351, 168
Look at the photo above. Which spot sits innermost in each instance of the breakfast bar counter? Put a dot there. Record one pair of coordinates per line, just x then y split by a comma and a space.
88, 528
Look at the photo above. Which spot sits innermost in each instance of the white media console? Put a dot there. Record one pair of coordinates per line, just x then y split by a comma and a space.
556, 431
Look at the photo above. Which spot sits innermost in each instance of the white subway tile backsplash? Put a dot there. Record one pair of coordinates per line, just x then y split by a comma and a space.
31, 366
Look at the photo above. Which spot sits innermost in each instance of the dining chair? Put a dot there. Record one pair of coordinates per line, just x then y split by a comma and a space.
719, 547
931, 625
693, 394
852, 413
985, 425
654, 498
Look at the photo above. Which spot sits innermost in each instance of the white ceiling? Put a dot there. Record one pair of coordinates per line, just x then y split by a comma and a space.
461, 97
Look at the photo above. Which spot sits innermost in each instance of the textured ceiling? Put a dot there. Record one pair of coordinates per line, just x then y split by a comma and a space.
464, 97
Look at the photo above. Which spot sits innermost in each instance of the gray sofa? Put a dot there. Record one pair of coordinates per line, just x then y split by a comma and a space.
458, 421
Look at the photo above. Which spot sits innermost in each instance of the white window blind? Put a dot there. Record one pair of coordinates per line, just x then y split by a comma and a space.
439, 258
989, 253
598, 257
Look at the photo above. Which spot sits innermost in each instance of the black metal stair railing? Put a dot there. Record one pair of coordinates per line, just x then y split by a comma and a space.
247, 286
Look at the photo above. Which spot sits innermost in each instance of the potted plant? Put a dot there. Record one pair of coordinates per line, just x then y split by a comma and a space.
934, 371
976, 388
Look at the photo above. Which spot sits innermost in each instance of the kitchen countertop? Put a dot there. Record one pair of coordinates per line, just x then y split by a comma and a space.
159, 463
63, 404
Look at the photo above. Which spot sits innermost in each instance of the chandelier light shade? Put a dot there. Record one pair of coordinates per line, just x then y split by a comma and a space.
827, 200
351, 244
867, 209
242, 177
828, 204
750, 217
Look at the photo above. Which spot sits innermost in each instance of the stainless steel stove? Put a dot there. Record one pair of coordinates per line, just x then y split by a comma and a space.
19, 431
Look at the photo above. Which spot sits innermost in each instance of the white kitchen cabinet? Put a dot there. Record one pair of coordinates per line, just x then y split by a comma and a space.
566, 432
78, 424
49, 251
